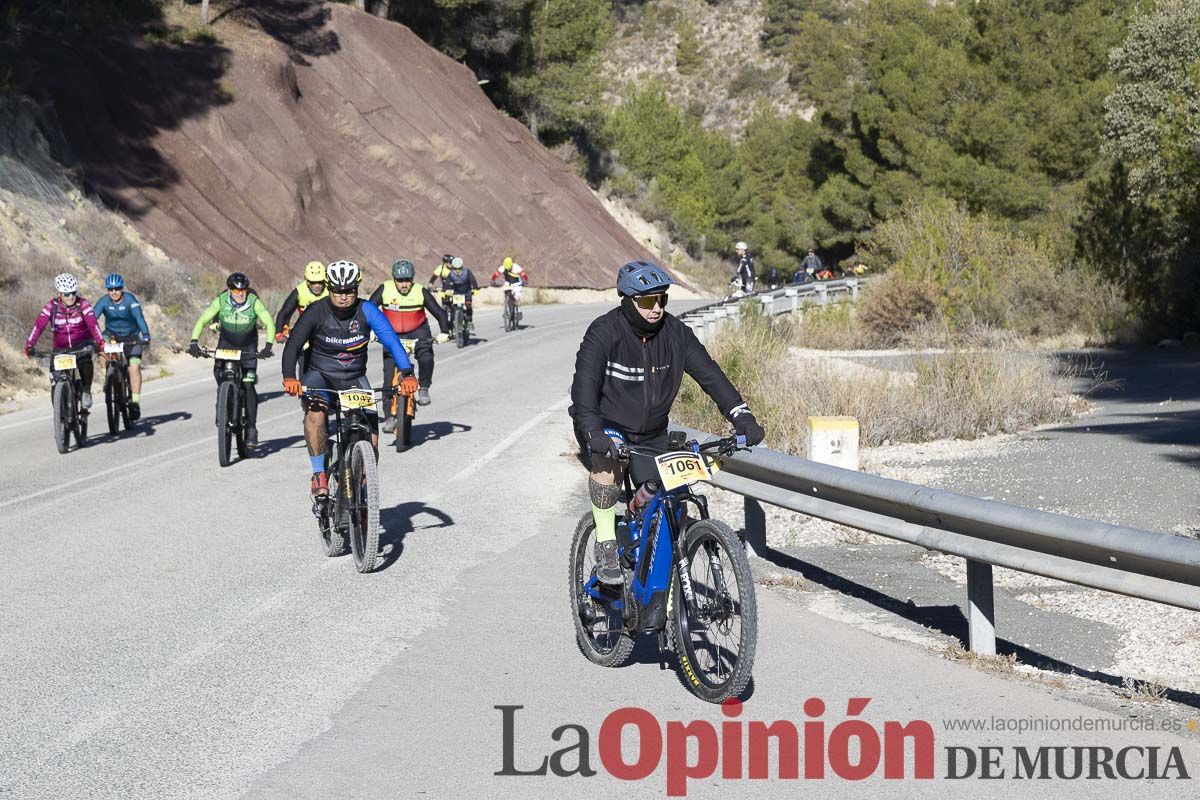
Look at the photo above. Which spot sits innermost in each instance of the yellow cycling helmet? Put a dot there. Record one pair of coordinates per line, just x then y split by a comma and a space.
507, 262
314, 272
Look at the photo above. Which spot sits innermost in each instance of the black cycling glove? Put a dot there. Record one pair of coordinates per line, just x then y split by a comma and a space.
746, 425
601, 444
194, 349
266, 352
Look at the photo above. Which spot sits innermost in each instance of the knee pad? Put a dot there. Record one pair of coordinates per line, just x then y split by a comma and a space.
603, 495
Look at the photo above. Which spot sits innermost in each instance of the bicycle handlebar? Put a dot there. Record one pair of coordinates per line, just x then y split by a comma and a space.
87, 349
723, 446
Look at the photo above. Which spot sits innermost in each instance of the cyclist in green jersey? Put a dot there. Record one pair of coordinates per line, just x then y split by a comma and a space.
239, 311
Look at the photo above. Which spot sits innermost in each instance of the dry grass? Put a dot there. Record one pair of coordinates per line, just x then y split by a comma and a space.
957, 395
997, 664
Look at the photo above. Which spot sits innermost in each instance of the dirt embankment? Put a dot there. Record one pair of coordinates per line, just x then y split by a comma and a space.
316, 131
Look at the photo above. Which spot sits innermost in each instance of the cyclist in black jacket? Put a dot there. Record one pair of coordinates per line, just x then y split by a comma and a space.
627, 373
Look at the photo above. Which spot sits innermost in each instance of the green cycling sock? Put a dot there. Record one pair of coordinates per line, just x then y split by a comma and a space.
606, 523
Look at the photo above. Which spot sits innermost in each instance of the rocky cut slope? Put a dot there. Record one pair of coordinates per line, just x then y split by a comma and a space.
308, 130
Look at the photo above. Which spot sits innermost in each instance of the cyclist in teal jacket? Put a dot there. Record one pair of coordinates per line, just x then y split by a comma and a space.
123, 321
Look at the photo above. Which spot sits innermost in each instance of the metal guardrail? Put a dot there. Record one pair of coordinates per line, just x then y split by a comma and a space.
1145, 564
708, 319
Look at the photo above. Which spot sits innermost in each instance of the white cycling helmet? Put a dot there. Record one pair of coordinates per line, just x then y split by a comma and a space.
342, 274
740, 246
66, 283
457, 263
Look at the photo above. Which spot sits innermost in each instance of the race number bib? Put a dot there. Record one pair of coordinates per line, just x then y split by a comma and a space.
678, 469
356, 398
114, 348
229, 354
460, 300
64, 361
409, 344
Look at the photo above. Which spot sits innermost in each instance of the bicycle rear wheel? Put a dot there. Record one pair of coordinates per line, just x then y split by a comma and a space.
239, 431
225, 411
364, 506
599, 628
333, 538
81, 423
63, 402
715, 639
508, 312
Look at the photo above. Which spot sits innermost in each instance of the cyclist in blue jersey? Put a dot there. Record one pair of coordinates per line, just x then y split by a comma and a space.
337, 329
123, 321
462, 280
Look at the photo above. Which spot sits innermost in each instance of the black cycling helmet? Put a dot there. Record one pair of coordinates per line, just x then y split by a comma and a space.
446, 259
237, 280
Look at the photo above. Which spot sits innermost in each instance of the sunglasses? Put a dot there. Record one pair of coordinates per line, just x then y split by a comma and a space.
343, 291
68, 294
649, 301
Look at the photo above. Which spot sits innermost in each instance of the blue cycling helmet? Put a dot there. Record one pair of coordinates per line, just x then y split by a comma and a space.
114, 281
641, 277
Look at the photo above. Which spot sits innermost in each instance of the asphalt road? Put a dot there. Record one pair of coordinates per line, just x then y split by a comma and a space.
171, 629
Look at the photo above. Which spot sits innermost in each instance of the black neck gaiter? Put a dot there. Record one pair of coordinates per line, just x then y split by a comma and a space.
640, 326
344, 314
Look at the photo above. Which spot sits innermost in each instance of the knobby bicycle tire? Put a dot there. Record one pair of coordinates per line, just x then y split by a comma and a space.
364, 506
225, 411
698, 537
111, 407
333, 538
617, 646
62, 415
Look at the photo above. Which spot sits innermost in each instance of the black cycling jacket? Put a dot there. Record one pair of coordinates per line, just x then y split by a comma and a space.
625, 381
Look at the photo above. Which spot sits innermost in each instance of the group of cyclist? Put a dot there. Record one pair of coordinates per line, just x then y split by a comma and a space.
628, 368
328, 343
811, 268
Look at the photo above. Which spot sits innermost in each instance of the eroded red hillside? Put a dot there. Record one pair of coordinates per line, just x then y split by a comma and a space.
317, 131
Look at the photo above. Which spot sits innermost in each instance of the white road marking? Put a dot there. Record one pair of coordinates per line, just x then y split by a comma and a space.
511, 439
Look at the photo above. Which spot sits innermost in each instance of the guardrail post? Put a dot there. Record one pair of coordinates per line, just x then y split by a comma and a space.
710, 324
853, 284
822, 294
792, 293
768, 305
697, 329
756, 527
981, 611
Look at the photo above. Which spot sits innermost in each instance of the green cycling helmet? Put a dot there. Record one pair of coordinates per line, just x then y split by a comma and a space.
403, 270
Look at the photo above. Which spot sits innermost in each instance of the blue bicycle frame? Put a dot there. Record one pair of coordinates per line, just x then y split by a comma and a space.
651, 543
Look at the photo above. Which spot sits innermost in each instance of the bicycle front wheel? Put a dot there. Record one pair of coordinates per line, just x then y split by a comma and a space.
364, 506
225, 409
62, 415
111, 408
716, 633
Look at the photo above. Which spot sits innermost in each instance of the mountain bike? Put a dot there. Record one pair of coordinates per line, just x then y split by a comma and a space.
66, 396
404, 406
459, 326
118, 394
686, 579
512, 311
231, 403
351, 509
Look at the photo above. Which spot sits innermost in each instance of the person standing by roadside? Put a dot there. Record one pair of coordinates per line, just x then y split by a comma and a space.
745, 270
